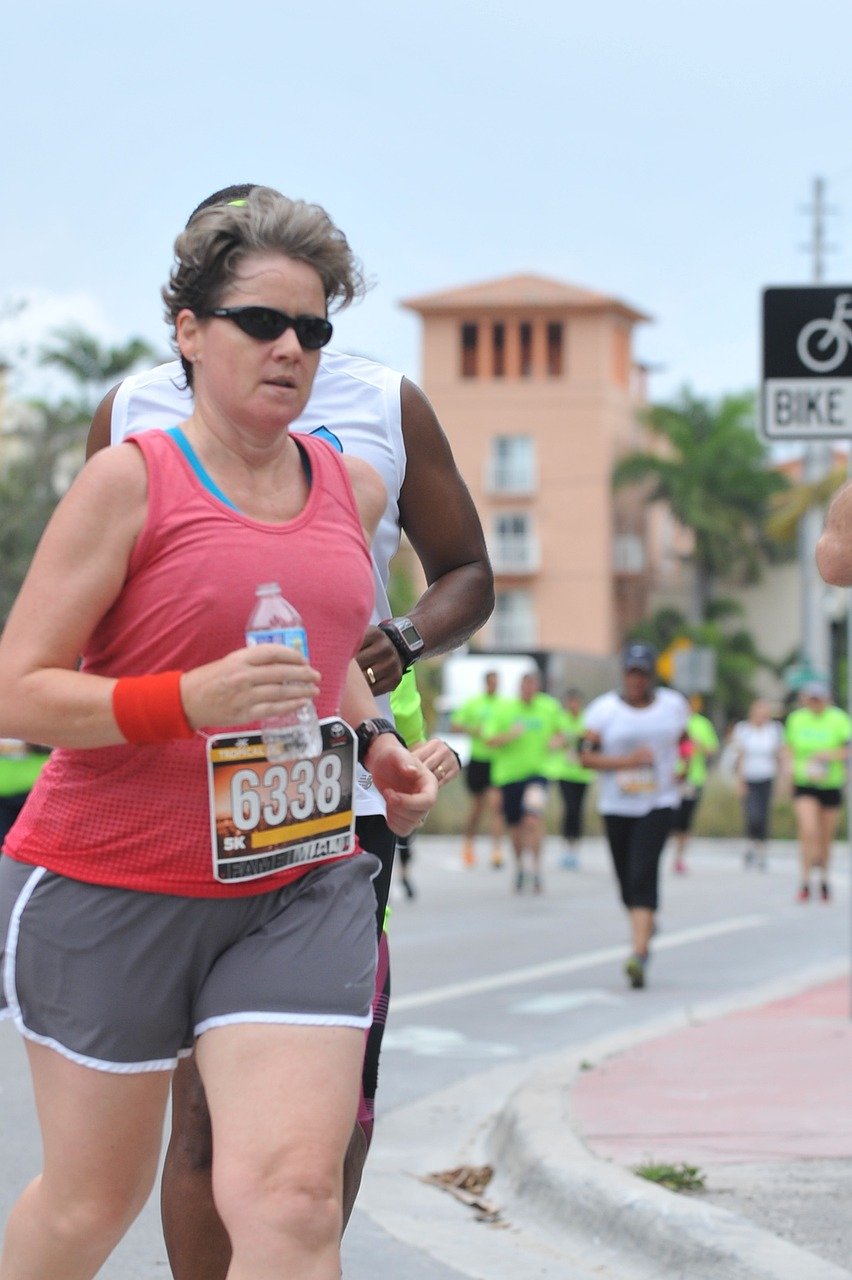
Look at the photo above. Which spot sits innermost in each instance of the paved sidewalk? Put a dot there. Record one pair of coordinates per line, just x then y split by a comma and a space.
767, 1087
773, 1083
760, 1100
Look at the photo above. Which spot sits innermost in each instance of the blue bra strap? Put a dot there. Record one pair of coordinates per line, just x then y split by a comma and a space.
191, 456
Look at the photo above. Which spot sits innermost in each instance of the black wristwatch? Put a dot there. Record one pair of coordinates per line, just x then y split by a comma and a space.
369, 730
405, 638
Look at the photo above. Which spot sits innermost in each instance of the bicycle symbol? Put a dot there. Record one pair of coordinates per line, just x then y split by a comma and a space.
822, 345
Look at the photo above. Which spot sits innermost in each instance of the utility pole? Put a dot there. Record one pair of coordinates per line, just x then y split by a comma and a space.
816, 464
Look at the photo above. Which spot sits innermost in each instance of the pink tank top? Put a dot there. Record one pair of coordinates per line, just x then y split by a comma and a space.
138, 817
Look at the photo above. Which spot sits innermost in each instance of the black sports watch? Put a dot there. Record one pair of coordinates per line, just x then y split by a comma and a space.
405, 638
369, 730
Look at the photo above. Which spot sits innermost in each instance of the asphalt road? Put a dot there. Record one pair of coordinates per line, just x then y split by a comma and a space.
487, 984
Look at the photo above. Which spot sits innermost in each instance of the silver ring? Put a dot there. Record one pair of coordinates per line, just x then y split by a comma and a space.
371, 675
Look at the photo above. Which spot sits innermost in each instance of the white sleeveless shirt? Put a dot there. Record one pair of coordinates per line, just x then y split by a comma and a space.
355, 401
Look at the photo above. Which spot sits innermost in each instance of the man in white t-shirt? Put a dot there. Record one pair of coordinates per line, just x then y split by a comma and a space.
632, 737
364, 408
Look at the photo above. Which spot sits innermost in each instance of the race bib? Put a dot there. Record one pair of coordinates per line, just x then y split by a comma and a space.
816, 770
268, 817
634, 782
534, 799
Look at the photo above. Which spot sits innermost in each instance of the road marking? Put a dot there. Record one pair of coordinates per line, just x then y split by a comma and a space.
574, 964
442, 1042
557, 1002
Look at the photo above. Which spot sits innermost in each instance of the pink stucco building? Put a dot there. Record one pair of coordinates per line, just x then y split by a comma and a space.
537, 387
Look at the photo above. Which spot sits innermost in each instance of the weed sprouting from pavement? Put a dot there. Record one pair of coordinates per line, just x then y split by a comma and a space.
676, 1177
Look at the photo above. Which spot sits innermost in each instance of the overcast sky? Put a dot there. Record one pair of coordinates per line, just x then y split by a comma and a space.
663, 152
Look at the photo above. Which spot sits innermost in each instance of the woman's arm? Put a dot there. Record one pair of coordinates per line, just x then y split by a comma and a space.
591, 756
407, 787
75, 576
371, 496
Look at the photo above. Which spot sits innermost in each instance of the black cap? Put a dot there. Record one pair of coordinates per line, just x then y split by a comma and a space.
639, 657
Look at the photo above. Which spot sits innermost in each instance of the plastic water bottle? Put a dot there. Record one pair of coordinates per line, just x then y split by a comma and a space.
274, 621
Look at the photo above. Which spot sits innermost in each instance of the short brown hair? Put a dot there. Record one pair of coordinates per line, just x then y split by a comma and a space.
209, 250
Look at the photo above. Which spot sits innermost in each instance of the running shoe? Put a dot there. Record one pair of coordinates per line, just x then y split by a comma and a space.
497, 860
635, 971
570, 861
804, 894
519, 881
537, 884
680, 867
825, 892
468, 855
748, 858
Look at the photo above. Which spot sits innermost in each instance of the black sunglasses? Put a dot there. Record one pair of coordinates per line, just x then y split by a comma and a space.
266, 324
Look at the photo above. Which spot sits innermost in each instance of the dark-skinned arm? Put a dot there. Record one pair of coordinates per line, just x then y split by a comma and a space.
437, 514
100, 434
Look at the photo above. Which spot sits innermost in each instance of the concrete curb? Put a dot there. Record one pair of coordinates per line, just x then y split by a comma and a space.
546, 1170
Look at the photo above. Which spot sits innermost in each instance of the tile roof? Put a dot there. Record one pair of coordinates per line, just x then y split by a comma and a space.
523, 290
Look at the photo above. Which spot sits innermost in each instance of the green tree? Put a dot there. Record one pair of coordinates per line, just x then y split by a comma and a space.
39, 458
90, 365
711, 472
45, 446
787, 508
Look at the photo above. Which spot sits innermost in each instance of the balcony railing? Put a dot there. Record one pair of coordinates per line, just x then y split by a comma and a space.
628, 554
502, 477
512, 631
515, 555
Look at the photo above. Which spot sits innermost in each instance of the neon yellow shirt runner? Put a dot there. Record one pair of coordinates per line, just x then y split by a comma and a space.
807, 734
526, 755
564, 763
408, 709
471, 717
19, 768
705, 740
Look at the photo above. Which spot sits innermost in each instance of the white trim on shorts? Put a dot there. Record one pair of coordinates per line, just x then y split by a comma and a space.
293, 1019
13, 1009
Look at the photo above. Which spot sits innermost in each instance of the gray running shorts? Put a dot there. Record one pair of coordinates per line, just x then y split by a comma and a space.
124, 981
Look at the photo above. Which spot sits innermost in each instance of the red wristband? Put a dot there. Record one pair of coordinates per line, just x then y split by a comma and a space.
148, 709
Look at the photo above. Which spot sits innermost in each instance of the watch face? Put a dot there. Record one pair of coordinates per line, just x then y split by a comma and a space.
410, 635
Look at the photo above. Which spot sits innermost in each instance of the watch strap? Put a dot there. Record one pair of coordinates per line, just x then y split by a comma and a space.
369, 730
407, 656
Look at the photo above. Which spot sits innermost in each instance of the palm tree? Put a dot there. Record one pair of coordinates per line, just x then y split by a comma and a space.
711, 472
91, 365
787, 508
44, 448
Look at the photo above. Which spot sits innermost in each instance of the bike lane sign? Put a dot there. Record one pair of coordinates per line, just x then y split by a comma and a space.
807, 363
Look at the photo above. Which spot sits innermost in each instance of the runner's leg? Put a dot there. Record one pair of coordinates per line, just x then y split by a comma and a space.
197, 1243
282, 1100
101, 1136
828, 820
807, 810
196, 1240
